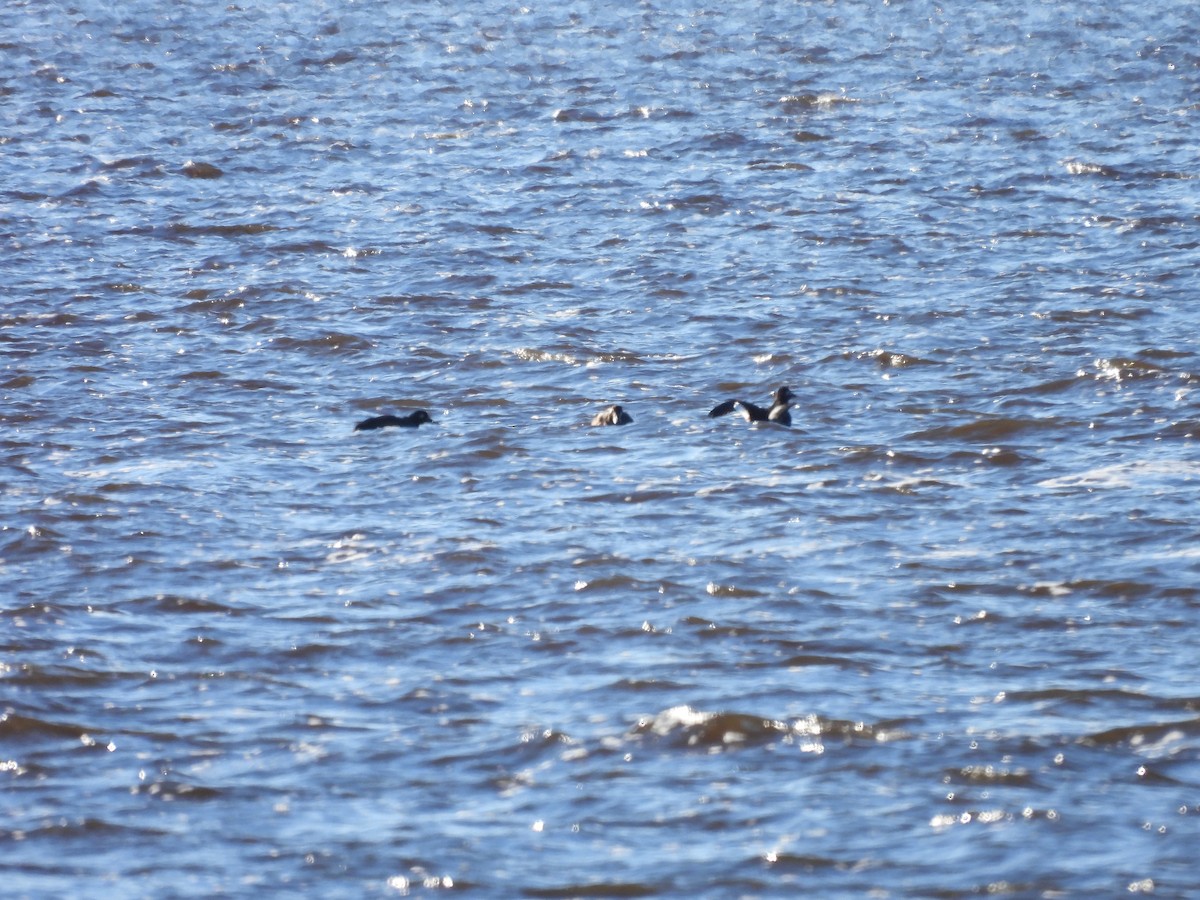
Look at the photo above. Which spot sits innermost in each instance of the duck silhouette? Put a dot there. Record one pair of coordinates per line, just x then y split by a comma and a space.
778, 411
412, 420
612, 415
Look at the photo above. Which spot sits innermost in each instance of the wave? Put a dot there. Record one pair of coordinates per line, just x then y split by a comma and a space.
689, 728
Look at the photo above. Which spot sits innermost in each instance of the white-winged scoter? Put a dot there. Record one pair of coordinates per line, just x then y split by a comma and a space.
777, 413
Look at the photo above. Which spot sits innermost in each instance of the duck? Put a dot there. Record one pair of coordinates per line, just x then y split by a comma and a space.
778, 413
612, 415
412, 420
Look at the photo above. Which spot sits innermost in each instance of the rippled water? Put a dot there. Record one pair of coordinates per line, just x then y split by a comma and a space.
935, 640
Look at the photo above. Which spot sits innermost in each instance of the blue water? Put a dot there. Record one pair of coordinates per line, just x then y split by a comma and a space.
934, 640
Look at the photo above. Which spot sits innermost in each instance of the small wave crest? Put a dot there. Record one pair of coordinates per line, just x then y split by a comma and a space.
687, 727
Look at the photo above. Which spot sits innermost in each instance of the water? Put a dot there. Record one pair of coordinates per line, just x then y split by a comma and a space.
934, 640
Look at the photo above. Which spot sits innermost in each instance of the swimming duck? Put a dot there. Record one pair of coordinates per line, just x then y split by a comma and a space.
412, 420
613, 415
778, 412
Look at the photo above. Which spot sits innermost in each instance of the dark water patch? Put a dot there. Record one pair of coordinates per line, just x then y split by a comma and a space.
846, 654
1166, 353
990, 775
986, 618
810, 100
1132, 175
710, 629
1121, 589
38, 319
170, 791
87, 191
201, 375
70, 678
141, 166
633, 497
808, 660
1106, 698
764, 165
1000, 456
1187, 429
714, 589
1051, 387
806, 863
478, 281
890, 456
605, 561
531, 287
201, 170
184, 230
314, 650
21, 728
616, 583
1160, 737
687, 728
78, 499
262, 384
30, 542
86, 829
992, 192
1128, 369
334, 344
26, 196
595, 889
644, 686
1080, 167
177, 603
581, 114
987, 429
1098, 314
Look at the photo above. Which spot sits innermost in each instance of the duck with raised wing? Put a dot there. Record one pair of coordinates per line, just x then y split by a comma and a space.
412, 420
777, 413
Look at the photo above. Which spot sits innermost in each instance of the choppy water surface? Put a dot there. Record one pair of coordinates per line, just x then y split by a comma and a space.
935, 640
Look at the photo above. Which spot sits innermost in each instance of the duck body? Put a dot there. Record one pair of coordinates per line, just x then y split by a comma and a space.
612, 415
412, 420
752, 412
